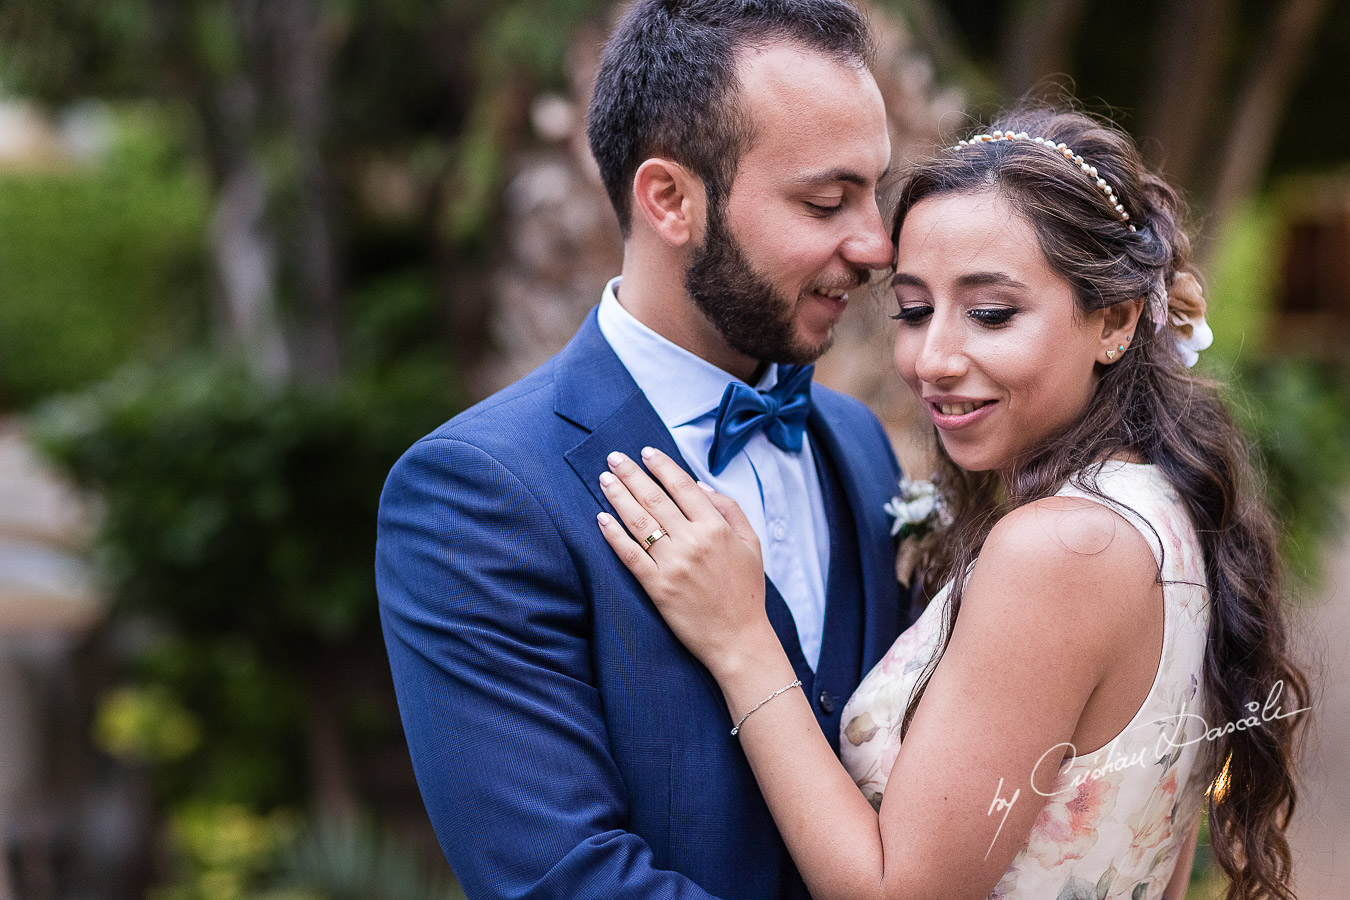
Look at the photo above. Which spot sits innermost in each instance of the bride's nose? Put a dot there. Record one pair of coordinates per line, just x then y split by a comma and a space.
942, 354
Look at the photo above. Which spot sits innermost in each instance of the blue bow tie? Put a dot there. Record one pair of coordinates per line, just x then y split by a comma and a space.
781, 412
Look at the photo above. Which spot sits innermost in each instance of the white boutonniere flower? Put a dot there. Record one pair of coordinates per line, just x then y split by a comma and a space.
916, 509
915, 512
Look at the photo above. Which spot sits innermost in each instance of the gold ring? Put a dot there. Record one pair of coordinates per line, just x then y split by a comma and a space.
653, 538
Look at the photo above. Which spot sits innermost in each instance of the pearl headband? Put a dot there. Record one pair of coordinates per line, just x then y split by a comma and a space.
1090, 171
1180, 305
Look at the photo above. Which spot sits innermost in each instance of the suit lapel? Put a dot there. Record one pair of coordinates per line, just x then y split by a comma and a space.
594, 391
633, 426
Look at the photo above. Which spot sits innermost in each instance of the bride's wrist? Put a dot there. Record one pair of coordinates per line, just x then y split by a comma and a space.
747, 656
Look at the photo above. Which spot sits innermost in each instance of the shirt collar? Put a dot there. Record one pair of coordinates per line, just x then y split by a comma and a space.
680, 386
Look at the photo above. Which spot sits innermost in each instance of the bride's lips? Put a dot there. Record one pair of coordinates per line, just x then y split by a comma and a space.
951, 413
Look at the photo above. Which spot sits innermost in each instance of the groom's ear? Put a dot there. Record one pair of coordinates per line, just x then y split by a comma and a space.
671, 200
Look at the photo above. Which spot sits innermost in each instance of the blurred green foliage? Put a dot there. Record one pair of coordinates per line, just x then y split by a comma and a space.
247, 709
1207, 879
1242, 279
238, 520
1298, 414
225, 852
147, 724
99, 264
358, 860
238, 526
236, 508
1296, 410
237, 514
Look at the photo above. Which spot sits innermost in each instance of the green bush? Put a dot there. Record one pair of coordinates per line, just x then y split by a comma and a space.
238, 523
99, 265
1296, 411
1298, 414
234, 507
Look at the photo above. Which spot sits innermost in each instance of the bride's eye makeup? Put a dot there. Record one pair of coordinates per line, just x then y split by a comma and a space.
913, 312
992, 315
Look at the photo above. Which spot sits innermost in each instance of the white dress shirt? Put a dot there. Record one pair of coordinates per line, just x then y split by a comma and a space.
778, 490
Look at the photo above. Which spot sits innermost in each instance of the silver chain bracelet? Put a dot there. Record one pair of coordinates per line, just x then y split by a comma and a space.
787, 687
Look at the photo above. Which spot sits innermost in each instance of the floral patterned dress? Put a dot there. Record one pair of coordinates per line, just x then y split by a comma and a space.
1117, 818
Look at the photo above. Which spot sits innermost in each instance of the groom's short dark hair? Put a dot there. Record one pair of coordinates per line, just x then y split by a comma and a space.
667, 82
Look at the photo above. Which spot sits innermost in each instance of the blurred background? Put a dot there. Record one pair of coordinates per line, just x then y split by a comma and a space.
251, 249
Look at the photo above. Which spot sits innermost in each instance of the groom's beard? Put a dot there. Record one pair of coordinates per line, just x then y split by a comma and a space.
752, 317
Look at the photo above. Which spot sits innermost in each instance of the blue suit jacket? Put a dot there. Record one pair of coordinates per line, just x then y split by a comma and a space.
565, 743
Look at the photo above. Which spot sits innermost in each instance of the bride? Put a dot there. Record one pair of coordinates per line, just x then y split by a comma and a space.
1107, 652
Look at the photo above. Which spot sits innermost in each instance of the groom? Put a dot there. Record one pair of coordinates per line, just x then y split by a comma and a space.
565, 743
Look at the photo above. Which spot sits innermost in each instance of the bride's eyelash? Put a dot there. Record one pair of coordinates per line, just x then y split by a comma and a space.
912, 313
998, 315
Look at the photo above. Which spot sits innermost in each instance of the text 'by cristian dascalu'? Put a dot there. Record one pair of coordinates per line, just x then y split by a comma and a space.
1166, 743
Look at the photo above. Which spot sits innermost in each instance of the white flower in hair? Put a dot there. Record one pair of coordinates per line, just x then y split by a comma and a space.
1200, 340
1186, 315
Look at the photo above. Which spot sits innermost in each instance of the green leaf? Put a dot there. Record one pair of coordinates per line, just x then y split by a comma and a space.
1104, 883
1077, 889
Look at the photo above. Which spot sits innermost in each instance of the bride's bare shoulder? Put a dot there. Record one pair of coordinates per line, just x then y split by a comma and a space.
1073, 526
1074, 561
1071, 530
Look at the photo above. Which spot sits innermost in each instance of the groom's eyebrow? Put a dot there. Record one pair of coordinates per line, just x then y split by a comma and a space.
848, 176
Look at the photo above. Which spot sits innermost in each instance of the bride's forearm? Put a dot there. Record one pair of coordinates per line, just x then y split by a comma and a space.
829, 827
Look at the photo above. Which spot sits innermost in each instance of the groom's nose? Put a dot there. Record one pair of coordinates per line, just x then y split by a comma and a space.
869, 246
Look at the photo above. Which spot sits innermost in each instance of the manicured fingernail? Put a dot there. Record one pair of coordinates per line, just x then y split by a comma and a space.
616, 458
607, 479
604, 519
705, 487
648, 452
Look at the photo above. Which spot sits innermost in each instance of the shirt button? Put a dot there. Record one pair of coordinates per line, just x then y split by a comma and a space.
826, 703
779, 531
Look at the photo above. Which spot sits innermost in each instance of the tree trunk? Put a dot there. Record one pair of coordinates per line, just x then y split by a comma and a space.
933, 29
332, 784
1260, 105
464, 201
1183, 101
1038, 39
302, 76
241, 246
240, 242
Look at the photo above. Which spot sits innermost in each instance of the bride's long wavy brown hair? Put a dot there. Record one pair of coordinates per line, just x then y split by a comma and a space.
1150, 406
